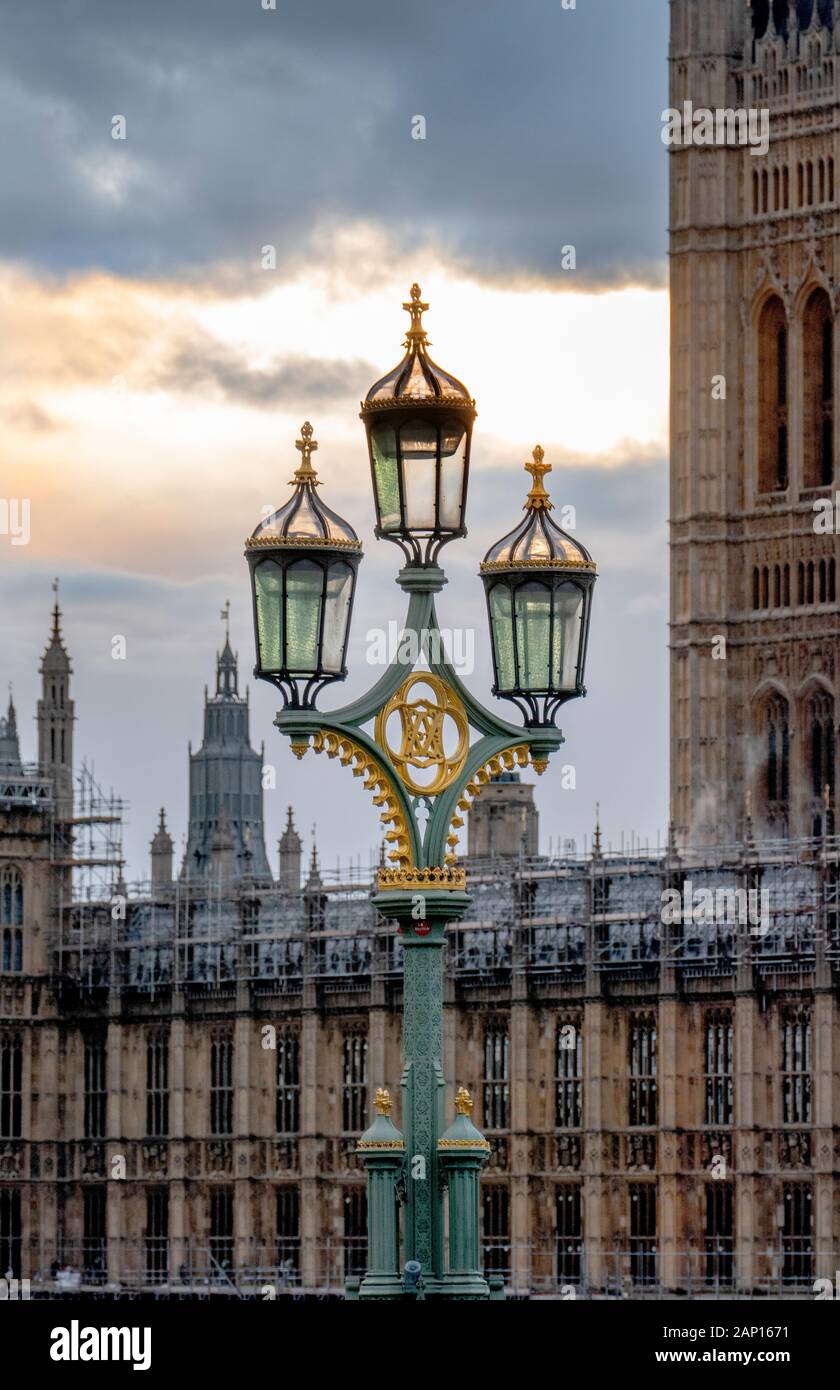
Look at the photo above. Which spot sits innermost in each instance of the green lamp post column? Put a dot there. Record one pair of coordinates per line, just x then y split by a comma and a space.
382, 1151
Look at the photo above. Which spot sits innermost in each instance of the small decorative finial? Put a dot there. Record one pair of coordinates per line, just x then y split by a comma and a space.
463, 1101
56, 628
225, 617
382, 1101
307, 446
416, 308
826, 794
538, 499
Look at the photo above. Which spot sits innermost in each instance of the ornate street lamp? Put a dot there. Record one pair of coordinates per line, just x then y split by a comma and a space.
303, 560
539, 584
423, 746
419, 422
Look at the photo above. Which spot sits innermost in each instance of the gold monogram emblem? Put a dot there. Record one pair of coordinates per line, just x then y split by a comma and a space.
424, 725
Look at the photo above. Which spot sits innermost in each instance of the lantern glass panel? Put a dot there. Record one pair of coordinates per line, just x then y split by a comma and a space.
501, 619
568, 615
336, 615
533, 635
268, 587
418, 446
304, 586
384, 443
452, 460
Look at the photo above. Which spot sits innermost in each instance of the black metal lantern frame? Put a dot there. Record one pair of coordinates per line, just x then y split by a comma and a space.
303, 561
420, 544
539, 706
418, 419
300, 687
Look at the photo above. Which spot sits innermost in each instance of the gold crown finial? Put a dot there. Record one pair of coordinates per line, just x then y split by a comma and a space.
382, 1101
463, 1101
307, 446
416, 308
538, 499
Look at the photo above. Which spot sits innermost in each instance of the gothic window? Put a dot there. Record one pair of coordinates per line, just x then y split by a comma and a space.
354, 1102
823, 587
797, 1234
832, 581
288, 1083
778, 750
157, 1084
221, 1083
569, 1233
718, 1059
288, 1233
818, 390
643, 1232
96, 1086
821, 723
719, 1234
765, 588
809, 596
772, 397
495, 1229
796, 1066
221, 1232
11, 1085
157, 1235
11, 1231
756, 588
786, 186
786, 586
801, 583
568, 1051
777, 587
496, 1079
755, 192
11, 898
355, 1231
94, 1235
642, 1069
800, 185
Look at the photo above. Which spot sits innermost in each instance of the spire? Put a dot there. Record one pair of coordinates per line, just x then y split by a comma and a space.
596, 839
227, 671
55, 660
314, 880
9, 746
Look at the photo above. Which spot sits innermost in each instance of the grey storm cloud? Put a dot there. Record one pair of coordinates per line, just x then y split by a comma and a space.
248, 126
204, 364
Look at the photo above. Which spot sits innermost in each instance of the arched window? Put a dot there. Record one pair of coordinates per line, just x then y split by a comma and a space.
765, 588
821, 724
818, 390
786, 188
11, 920
777, 587
778, 751
756, 588
800, 185
832, 582
801, 591
755, 192
777, 196
810, 592
823, 586
772, 397
786, 587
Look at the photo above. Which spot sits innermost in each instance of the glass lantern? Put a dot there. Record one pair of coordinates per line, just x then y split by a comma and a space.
539, 584
303, 561
419, 421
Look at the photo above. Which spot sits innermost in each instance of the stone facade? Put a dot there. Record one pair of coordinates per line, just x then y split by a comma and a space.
755, 240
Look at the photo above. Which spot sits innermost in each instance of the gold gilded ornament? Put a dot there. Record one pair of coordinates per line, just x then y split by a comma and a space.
422, 733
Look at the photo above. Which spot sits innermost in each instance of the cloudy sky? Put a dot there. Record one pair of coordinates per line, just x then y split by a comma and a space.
154, 373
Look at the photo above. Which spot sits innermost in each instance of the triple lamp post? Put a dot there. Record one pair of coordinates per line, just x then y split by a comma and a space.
420, 759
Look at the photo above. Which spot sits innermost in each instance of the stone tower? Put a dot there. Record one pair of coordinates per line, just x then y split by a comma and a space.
226, 793
9, 744
755, 265
161, 855
55, 719
503, 821
290, 851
